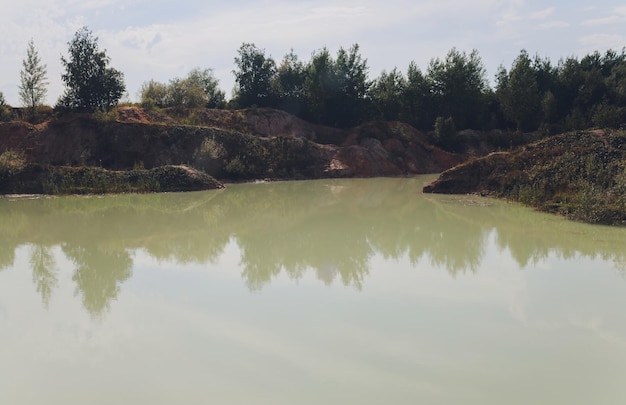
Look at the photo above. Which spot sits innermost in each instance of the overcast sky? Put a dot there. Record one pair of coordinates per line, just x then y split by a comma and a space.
158, 39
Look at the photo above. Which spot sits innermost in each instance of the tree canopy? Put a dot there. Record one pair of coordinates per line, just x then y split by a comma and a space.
458, 85
336, 90
33, 79
198, 89
254, 75
90, 85
533, 95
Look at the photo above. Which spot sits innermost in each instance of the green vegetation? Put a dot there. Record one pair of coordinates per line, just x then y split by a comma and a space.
90, 84
11, 162
198, 89
445, 132
19, 178
584, 180
581, 175
534, 94
33, 80
329, 91
254, 76
5, 115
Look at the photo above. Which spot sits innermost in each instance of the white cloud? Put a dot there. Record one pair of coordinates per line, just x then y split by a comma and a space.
618, 16
604, 21
554, 24
211, 40
542, 14
602, 42
163, 42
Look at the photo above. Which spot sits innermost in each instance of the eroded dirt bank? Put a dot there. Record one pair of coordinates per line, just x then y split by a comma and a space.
227, 145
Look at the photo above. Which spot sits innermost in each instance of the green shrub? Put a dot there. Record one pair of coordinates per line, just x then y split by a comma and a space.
445, 133
235, 168
12, 161
148, 104
107, 116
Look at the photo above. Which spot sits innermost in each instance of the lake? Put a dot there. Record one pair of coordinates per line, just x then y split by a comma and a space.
361, 291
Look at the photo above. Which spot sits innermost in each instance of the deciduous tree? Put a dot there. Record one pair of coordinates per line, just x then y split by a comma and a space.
289, 85
198, 89
209, 85
254, 76
153, 93
33, 79
90, 84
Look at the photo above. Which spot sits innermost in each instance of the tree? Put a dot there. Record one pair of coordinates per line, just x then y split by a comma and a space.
32, 88
417, 99
209, 85
320, 86
458, 86
616, 83
198, 89
445, 133
387, 95
4, 112
519, 94
90, 84
153, 93
289, 85
254, 76
549, 108
183, 92
351, 76
336, 90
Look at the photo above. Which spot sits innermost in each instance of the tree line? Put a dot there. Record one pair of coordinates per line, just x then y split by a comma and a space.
533, 94
335, 90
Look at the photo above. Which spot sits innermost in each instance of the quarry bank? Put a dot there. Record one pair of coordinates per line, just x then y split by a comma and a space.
581, 175
226, 145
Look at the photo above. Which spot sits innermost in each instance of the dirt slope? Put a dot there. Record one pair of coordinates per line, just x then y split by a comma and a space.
239, 145
581, 175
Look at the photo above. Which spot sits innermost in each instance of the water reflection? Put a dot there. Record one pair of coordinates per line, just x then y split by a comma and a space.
333, 228
98, 275
44, 271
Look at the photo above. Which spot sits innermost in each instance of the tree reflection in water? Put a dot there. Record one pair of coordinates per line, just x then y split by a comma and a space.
44, 269
7, 256
331, 227
98, 275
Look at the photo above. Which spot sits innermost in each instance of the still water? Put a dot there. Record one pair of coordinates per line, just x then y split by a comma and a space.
342, 291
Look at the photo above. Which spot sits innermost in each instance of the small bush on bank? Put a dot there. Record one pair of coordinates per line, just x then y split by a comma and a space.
12, 162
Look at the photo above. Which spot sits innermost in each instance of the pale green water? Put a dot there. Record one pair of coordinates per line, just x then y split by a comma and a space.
346, 291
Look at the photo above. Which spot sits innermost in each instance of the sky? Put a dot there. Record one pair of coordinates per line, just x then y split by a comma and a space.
162, 40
